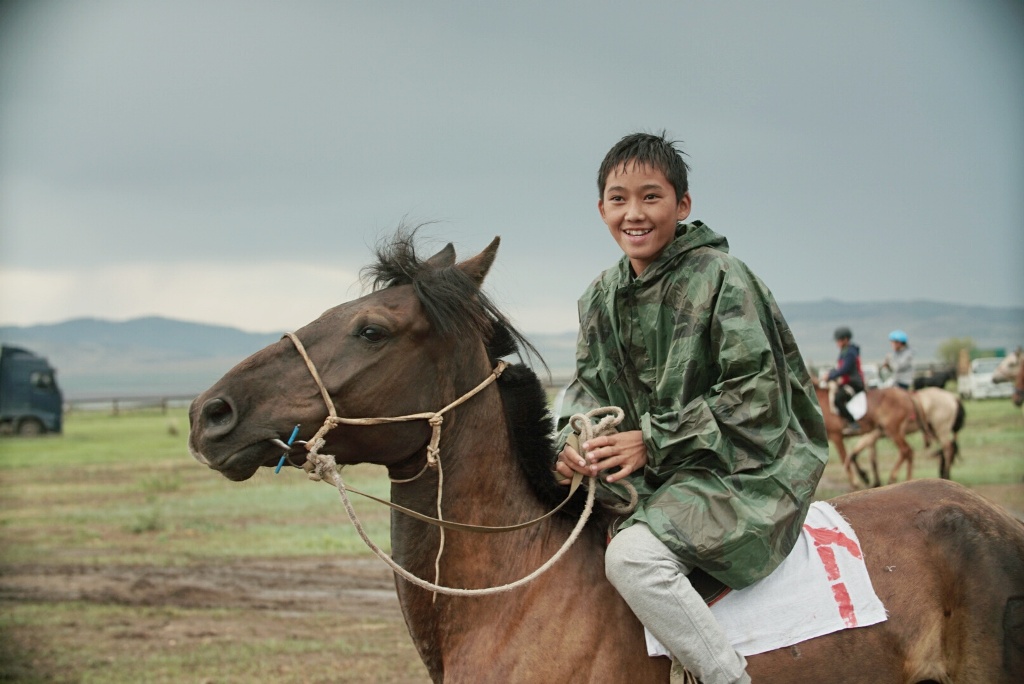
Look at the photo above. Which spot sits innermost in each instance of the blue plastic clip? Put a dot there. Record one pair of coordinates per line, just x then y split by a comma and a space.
280, 464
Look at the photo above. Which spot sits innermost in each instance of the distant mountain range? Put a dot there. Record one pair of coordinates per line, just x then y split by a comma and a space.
161, 357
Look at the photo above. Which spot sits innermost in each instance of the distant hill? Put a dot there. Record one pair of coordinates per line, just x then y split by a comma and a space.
160, 356
139, 357
927, 324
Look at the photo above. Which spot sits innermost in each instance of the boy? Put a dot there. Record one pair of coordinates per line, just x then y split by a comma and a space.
848, 375
723, 437
901, 361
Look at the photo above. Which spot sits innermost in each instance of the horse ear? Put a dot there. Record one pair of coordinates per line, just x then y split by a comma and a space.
444, 258
478, 266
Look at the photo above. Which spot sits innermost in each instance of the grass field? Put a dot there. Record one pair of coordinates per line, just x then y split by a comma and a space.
124, 560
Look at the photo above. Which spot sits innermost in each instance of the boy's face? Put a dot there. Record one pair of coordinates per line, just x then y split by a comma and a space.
640, 208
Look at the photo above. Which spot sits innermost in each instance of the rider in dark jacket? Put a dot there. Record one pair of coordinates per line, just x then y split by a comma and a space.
847, 372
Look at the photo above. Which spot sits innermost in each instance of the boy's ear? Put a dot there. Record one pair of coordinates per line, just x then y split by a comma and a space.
600, 207
683, 208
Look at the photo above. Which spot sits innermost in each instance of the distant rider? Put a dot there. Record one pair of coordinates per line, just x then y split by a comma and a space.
900, 362
847, 373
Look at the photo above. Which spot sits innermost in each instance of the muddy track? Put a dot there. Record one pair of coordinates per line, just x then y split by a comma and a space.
112, 622
343, 586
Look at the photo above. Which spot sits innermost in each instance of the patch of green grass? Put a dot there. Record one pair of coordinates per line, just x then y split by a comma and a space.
120, 487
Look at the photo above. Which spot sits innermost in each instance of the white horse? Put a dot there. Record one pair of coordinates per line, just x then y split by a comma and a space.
1006, 371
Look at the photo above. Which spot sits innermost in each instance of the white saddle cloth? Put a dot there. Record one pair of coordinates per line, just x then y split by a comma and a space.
822, 587
858, 405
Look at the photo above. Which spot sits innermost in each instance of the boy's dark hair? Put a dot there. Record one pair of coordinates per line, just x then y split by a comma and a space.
646, 149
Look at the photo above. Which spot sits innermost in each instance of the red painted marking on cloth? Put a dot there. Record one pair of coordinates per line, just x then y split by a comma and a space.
824, 539
828, 558
845, 604
827, 536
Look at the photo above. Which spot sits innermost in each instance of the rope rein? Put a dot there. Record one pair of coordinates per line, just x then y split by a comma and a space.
322, 467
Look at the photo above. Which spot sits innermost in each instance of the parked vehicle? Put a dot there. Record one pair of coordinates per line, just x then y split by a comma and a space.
872, 376
31, 403
977, 384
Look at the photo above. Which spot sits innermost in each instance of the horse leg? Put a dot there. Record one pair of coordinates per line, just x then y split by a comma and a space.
949, 452
867, 442
848, 461
877, 479
857, 448
906, 455
945, 460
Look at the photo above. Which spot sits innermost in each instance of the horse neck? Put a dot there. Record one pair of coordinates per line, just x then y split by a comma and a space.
479, 481
482, 484
513, 631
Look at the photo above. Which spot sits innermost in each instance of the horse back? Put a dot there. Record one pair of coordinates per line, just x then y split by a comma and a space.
949, 567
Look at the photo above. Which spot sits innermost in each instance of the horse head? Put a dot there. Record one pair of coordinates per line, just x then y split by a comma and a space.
424, 336
1006, 371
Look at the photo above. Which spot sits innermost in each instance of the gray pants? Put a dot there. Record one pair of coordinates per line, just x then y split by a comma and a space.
653, 582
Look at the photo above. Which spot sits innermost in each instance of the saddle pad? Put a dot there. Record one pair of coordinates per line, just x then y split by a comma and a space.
822, 587
858, 405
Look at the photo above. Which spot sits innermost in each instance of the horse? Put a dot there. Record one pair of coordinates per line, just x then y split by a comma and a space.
939, 415
427, 336
890, 412
1008, 368
1018, 386
938, 378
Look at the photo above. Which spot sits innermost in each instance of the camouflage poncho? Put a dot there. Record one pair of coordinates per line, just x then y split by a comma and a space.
697, 353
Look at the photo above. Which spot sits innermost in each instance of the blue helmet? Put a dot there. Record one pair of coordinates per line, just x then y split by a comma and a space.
898, 336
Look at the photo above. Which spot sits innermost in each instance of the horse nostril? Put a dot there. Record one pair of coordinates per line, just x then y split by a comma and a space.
218, 414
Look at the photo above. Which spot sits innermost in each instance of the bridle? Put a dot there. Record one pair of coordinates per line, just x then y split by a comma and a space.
434, 418
323, 467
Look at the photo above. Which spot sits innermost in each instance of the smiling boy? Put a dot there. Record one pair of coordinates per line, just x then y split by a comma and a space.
723, 438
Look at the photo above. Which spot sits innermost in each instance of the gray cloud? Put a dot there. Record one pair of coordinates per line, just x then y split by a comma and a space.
860, 151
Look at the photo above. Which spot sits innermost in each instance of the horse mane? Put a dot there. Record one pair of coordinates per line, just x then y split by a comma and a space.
452, 301
530, 429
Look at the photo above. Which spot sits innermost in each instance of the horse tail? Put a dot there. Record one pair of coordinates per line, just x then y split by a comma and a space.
961, 416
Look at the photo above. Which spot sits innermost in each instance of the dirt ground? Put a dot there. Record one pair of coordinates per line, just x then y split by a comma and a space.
180, 610
345, 587
323, 619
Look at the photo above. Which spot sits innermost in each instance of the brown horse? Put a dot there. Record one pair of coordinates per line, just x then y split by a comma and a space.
939, 415
948, 564
890, 412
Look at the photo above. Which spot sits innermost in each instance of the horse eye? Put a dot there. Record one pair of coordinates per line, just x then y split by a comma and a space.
373, 333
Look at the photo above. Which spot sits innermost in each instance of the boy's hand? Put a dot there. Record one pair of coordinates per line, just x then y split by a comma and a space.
623, 449
569, 462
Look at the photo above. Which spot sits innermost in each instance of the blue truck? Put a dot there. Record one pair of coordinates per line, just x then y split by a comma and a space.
31, 403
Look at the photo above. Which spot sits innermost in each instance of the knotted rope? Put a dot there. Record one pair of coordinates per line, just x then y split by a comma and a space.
326, 469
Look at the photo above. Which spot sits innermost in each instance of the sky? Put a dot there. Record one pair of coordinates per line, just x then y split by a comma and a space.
234, 162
